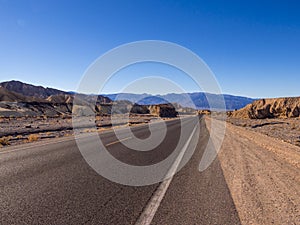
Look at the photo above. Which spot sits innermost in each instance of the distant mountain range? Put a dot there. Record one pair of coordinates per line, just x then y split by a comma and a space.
197, 99
16, 91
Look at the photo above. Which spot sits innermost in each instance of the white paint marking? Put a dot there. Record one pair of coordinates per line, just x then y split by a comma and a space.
148, 214
115, 142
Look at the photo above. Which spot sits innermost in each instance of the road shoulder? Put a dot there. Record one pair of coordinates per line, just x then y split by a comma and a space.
262, 174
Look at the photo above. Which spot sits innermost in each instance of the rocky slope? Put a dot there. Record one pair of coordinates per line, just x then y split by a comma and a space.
30, 90
9, 96
31, 101
19, 99
270, 108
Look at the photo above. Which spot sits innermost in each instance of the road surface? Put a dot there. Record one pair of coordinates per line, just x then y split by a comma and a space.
51, 183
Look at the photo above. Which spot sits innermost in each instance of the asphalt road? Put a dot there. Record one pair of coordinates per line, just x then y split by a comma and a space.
51, 183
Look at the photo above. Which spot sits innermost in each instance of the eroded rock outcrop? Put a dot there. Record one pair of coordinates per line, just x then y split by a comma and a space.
163, 110
270, 108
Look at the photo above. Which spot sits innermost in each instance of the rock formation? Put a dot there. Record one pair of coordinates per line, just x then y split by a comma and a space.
163, 110
270, 108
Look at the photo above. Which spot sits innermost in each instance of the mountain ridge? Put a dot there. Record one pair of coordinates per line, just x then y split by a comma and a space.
198, 100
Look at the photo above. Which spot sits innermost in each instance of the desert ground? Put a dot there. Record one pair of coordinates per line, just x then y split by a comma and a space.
262, 171
283, 129
19, 130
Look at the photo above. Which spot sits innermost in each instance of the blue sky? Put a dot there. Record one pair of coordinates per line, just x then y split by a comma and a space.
253, 47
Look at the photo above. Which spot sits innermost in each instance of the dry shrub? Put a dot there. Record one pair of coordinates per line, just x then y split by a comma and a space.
11, 117
5, 141
33, 137
89, 130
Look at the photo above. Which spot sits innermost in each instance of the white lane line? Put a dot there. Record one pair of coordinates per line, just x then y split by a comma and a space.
115, 142
148, 214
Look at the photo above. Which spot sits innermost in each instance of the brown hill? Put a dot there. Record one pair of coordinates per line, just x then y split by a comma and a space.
10, 96
270, 108
41, 94
29, 89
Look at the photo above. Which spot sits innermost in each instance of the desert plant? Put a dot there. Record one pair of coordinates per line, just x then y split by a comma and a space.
33, 137
67, 134
5, 141
293, 126
89, 130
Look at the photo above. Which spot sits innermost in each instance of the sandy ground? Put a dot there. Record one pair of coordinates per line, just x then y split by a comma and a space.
287, 129
263, 176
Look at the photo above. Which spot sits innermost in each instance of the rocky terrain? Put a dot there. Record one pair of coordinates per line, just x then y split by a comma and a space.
18, 130
270, 108
278, 118
18, 99
283, 129
29, 113
30, 90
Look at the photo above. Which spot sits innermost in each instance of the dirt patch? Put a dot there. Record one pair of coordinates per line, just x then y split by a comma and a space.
263, 176
285, 129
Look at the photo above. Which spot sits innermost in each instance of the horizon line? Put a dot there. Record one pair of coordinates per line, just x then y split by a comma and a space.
152, 94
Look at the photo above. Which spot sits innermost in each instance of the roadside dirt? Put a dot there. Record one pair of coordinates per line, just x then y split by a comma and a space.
19, 130
286, 129
263, 176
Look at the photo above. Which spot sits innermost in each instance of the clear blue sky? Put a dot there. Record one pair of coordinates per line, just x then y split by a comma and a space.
253, 47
